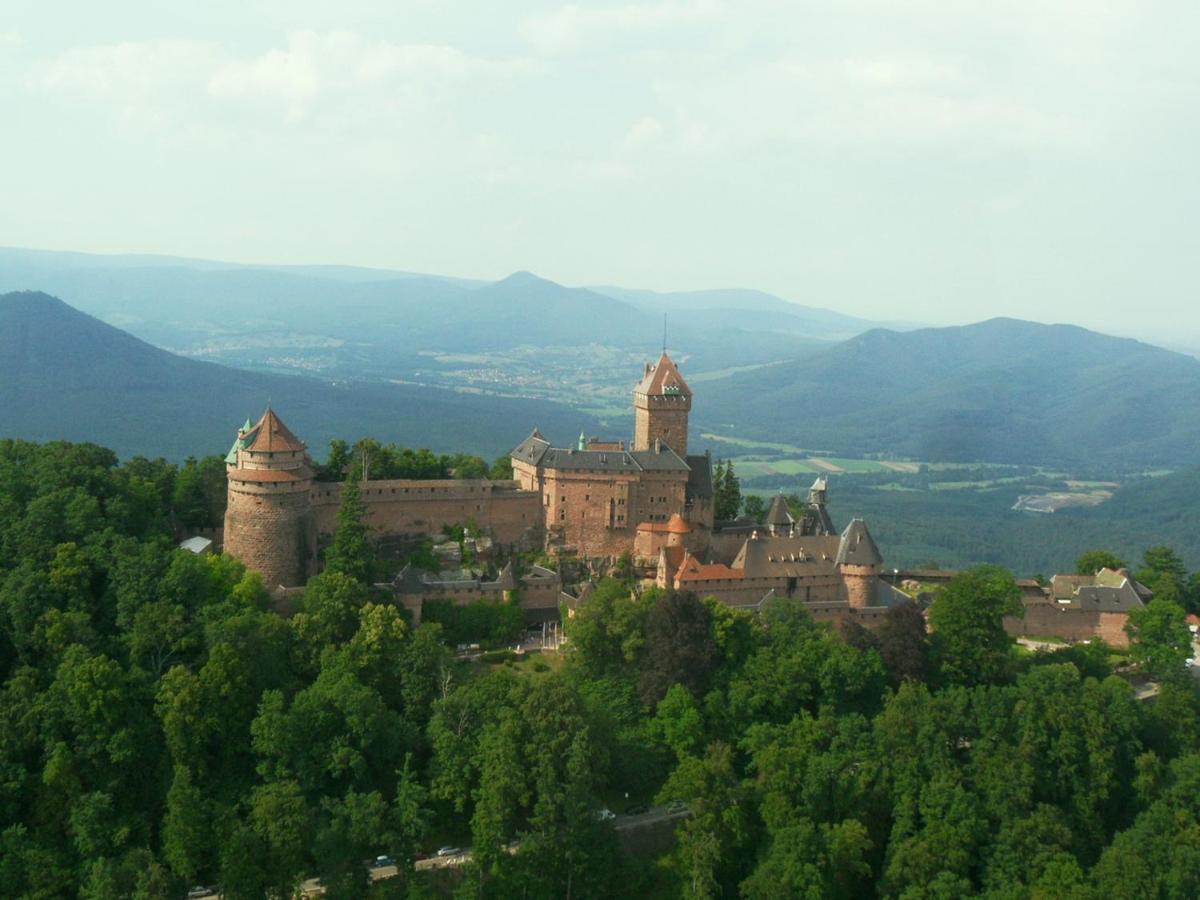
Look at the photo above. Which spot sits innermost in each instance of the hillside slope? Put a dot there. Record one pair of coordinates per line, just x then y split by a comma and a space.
64, 374
1001, 390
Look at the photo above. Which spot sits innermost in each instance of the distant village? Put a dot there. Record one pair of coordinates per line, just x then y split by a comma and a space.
649, 506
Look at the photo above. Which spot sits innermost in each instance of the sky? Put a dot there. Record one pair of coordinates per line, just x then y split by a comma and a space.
942, 162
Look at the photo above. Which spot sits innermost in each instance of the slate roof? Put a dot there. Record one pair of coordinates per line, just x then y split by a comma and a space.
664, 460
663, 379
1106, 591
272, 436
536, 450
857, 547
784, 556
699, 484
778, 515
532, 449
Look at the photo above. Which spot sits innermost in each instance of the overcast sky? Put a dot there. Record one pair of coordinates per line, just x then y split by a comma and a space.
936, 161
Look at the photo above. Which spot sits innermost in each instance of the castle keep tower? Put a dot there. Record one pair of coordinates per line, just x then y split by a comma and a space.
269, 523
661, 404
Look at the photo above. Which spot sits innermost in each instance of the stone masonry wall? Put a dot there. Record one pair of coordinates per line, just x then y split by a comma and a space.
1069, 624
403, 506
818, 589
272, 534
860, 585
661, 423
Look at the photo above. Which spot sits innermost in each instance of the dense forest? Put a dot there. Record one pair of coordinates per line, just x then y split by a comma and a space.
161, 727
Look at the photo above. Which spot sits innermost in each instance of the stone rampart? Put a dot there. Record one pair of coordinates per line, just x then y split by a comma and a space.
1070, 624
409, 506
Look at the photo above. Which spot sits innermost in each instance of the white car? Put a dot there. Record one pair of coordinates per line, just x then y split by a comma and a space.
449, 851
605, 815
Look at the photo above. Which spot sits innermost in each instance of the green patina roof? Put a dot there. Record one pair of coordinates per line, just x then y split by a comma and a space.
239, 443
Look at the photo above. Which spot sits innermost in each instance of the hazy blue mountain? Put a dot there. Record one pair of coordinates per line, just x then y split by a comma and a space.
367, 323
64, 374
749, 310
1002, 390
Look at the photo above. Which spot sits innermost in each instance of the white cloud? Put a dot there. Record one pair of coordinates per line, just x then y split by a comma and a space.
336, 78
568, 27
11, 39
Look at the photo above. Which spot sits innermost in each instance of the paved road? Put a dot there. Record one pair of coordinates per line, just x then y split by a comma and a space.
312, 887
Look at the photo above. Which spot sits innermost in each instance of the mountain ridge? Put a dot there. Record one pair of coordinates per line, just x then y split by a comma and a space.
67, 375
1001, 390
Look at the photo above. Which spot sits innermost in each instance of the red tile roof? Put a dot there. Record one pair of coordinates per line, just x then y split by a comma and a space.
271, 435
677, 524
664, 378
691, 569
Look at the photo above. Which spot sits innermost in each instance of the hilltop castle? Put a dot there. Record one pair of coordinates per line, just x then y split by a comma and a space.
598, 499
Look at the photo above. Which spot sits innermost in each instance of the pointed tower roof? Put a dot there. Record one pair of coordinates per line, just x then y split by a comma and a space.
664, 379
857, 547
271, 435
778, 515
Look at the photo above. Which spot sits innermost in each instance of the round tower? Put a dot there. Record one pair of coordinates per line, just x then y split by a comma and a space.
858, 561
269, 522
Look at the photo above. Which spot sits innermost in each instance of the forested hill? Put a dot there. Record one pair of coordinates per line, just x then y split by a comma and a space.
1002, 391
64, 374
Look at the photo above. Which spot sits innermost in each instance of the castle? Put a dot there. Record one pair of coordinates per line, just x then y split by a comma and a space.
599, 499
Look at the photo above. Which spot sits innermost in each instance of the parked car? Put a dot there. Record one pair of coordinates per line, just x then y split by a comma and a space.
637, 809
449, 851
605, 814
200, 891
384, 861
676, 806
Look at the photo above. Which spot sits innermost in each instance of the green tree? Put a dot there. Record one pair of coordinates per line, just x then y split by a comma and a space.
969, 643
351, 553
1164, 573
727, 491
679, 647
904, 643
706, 856
754, 507
1095, 560
1160, 639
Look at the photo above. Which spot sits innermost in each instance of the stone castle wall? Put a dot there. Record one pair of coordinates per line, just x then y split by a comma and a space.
814, 591
414, 507
1069, 624
596, 513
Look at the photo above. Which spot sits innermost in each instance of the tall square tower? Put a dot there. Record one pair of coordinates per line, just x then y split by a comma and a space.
661, 402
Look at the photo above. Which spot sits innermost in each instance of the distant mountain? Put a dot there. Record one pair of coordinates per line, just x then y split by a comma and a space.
749, 310
355, 322
64, 374
1001, 390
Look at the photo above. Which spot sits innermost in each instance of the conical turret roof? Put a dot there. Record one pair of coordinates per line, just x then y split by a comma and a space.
272, 436
779, 516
